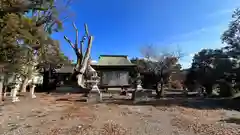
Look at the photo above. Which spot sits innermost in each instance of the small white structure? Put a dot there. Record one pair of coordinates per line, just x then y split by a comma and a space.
14, 81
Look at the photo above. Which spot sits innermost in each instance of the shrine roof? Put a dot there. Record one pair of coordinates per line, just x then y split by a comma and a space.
113, 60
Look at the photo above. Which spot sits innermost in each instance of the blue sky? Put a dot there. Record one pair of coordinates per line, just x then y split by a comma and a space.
124, 26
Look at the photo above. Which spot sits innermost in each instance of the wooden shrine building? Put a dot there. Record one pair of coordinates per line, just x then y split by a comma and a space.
114, 71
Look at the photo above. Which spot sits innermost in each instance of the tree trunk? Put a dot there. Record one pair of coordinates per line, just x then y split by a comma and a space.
79, 61
84, 64
161, 90
158, 93
24, 85
1, 88
158, 90
5, 87
45, 80
82, 61
209, 89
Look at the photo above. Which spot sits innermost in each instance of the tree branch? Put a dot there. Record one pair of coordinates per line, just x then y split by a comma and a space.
87, 54
71, 44
81, 48
76, 40
86, 30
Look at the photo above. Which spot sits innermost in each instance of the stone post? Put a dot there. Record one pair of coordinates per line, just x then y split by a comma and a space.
139, 83
32, 91
1, 88
14, 93
185, 91
96, 90
138, 87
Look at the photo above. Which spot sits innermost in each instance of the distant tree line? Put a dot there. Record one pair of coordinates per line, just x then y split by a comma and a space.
218, 70
157, 69
26, 45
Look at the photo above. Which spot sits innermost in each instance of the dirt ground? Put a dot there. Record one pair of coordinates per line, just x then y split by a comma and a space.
66, 115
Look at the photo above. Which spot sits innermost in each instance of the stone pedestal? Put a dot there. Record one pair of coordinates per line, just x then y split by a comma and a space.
140, 96
14, 90
94, 95
139, 87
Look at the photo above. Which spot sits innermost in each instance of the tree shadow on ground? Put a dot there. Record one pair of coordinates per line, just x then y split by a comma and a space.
75, 100
63, 89
172, 98
232, 120
196, 103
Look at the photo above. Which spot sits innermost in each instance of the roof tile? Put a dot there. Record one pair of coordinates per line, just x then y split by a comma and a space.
114, 60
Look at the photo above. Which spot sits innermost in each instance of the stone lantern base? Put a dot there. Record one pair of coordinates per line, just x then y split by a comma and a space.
94, 95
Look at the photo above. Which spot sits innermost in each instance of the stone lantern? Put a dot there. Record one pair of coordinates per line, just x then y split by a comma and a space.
95, 93
139, 82
14, 82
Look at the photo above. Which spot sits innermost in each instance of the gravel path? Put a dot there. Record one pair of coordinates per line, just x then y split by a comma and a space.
63, 115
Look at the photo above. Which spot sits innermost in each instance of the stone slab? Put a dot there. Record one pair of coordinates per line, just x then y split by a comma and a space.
93, 97
143, 95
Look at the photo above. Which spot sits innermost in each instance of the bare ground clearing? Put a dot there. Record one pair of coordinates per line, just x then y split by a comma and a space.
65, 115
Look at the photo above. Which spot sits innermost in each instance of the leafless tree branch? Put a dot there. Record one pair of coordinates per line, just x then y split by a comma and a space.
69, 41
76, 40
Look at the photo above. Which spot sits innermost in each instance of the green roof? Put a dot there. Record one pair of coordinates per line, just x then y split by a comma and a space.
114, 60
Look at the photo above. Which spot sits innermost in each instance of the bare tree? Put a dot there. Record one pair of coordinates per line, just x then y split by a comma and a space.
82, 58
161, 63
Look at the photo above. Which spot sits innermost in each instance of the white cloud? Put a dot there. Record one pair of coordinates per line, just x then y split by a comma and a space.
192, 42
185, 64
220, 13
93, 61
191, 54
188, 36
192, 33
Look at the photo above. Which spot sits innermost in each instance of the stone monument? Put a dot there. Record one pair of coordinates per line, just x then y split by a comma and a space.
139, 83
95, 94
138, 88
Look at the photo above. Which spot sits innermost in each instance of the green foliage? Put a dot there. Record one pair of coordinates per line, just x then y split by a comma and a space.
43, 13
50, 53
25, 28
219, 66
154, 71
